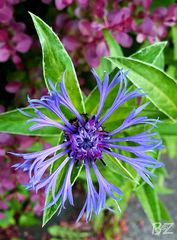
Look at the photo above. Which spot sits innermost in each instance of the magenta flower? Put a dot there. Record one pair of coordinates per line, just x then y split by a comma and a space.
61, 4
13, 41
13, 87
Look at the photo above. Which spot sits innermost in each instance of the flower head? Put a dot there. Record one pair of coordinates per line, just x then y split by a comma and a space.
85, 142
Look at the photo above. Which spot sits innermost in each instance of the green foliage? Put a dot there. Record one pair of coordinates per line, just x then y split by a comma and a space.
66, 233
120, 206
167, 129
152, 206
171, 143
117, 166
174, 37
151, 54
148, 198
114, 47
14, 122
115, 51
28, 219
56, 62
8, 219
159, 87
165, 216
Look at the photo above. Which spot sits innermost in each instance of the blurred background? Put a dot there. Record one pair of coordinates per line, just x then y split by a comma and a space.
78, 23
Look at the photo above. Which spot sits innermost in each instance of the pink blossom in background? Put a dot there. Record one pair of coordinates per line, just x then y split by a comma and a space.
99, 8
123, 39
4, 52
39, 201
120, 20
83, 3
6, 139
85, 27
88, 21
71, 43
2, 152
61, 4
171, 17
13, 39
24, 141
6, 13
22, 42
9, 179
13, 86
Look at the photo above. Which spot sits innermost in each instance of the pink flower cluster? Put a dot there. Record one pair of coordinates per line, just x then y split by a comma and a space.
82, 33
60, 4
13, 39
10, 180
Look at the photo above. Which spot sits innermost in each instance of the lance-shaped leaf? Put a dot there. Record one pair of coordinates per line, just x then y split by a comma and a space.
174, 38
56, 62
148, 198
14, 122
167, 129
114, 47
165, 215
152, 54
160, 88
116, 166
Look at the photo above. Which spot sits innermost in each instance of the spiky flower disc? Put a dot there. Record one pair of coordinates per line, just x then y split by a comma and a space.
85, 142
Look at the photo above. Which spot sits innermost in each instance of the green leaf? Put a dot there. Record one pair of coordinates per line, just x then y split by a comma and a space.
164, 3
14, 122
56, 61
122, 112
171, 70
165, 216
115, 51
28, 219
148, 198
160, 61
114, 47
171, 143
116, 166
8, 219
167, 129
67, 233
164, 190
98, 221
127, 189
160, 88
152, 54
174, 38
104, 65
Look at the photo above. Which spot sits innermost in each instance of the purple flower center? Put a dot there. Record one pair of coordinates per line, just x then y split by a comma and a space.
88, 140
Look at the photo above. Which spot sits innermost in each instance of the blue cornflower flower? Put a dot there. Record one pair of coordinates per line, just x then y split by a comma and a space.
85, 141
